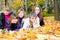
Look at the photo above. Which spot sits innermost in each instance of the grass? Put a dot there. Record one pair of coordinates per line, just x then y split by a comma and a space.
46, 15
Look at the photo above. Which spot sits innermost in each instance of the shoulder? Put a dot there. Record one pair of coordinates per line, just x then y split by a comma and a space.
1, 14
27, 19
12, 13
37, 18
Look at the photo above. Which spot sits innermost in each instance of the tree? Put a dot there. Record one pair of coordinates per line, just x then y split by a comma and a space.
16, 4
31, 3
49, 5
56, 10
5, 2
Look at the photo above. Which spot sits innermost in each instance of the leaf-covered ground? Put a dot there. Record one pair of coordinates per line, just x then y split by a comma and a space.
51, 21
40, 33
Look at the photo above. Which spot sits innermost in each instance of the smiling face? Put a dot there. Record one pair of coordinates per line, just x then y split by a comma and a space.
37, 10
32, 19
6, 10
21, 14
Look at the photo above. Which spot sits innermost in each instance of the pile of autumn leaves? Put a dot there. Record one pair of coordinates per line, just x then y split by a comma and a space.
51, 28
40, 33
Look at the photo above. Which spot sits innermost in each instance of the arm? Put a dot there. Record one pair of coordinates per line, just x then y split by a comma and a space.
36, 23
26, 23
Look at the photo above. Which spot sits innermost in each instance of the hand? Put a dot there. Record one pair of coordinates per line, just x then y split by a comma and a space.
23, 20
14, 21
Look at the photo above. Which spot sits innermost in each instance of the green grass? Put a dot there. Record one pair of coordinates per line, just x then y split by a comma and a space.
46, 15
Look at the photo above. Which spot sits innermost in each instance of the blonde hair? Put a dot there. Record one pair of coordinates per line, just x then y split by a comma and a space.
21, 9
6, 9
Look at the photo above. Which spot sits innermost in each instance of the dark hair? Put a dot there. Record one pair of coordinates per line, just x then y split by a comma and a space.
12, 16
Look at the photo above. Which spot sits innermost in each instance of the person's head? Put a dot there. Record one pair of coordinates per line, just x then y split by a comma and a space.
6, 10
32, 16
13, 16
37, 9
12, 19
21, 13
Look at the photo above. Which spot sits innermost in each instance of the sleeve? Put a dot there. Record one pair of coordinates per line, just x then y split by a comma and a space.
26, 24
20, 25
1, 25
7, 25
36, 23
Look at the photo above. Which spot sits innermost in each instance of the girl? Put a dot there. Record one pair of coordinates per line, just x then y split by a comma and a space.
38, 11
13, 22
4, 17
21, 18
32, 21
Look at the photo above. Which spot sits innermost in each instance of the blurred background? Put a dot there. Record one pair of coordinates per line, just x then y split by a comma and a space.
50, 12
49, 7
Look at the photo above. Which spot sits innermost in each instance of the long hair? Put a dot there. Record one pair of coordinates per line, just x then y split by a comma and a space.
13, 16
40, 13
6, 9
21, 9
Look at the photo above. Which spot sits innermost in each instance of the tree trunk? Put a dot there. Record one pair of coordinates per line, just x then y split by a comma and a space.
26, 5
56, 10
5, 2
